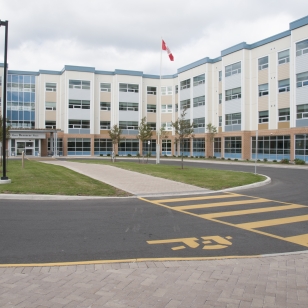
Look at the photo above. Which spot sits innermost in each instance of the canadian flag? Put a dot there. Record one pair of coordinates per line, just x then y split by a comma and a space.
165, 47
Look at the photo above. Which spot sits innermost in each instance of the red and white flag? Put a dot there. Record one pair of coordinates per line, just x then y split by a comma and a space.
165, 47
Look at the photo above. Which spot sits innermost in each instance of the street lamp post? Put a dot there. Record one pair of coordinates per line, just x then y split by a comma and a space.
5, 24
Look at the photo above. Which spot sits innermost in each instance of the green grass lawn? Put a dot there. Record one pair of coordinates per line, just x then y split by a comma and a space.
201, 177
40, 178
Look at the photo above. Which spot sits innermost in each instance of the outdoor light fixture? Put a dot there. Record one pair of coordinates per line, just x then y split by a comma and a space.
4, 177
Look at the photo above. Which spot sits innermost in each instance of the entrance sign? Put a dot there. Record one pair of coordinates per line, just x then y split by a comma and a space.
27, 135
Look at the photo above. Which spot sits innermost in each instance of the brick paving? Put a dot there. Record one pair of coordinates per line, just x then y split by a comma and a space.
268, 281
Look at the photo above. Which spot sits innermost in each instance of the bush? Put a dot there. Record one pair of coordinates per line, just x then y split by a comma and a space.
214, 157
165, 155
258, 160
101, 154
222, 158
236, 159
284, 161
229, 158
129, 155
274, 161
265, 160
109, 155
298, 161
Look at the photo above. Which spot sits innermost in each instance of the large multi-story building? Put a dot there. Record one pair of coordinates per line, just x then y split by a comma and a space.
251, 90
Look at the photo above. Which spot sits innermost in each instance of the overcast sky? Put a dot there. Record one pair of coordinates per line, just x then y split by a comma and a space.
126, 34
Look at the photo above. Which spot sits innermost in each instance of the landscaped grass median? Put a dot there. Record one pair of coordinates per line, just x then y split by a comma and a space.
40, 178
201, 177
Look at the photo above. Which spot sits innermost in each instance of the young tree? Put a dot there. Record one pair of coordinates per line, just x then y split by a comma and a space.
183, 129
144, 133
115, 136
212, 131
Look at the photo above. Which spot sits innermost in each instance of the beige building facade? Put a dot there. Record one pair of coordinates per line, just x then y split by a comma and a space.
251, 91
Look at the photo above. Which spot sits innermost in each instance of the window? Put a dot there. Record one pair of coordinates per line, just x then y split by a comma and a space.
283, 57
166, 147
50, 124
217, 146
105, 87
233, 119
151, 108
78, 124
233, 94
129, 146
199, 80
302, 111
200, 122
301, 146
301, 48
185, 104
199, 146
151, 90
166, 90
51, 87
284, 114
219, 75
126, 87
166, 108
220, 98
102, 146
176, 89
220, 121
167, 126
79, 84
199, 101
233, 145
152, 125
59, 146
302, 80
149, 149
263, 63
79, 146
105, 106
131, 125
284, 85
104, 124
185, 84
233, 69
263, 89
73, 104
50, 106
128, 106
263, 116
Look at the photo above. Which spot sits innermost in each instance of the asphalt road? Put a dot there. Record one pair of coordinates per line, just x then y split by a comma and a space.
131, 228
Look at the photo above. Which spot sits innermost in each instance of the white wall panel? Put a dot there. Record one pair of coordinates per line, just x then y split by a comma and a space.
302, 64
233, 106
128, 116
184, 94
302, 95
233, 81
79, 94
199, 90
79, 114
128, 97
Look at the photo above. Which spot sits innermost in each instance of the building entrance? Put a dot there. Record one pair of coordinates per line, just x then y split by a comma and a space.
27, 146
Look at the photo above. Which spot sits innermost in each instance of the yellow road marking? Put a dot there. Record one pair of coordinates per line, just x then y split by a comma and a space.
272, 222
299, 239
253, 211
217, 204
197, 198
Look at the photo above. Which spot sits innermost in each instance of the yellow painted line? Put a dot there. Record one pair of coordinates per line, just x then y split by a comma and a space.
226, 223
217, 204
298, 239
126, 261
272, 222
253, 211
197, 198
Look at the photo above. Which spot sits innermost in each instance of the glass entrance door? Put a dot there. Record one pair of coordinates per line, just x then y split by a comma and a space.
27, 146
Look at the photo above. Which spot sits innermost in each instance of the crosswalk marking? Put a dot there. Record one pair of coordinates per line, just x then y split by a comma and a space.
198, 198
272, 222
298, 239
252, 211
207, 205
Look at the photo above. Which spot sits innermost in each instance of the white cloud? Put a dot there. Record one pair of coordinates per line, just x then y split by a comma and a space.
119, 34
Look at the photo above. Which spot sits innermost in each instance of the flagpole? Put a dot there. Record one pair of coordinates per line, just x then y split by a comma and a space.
159, 106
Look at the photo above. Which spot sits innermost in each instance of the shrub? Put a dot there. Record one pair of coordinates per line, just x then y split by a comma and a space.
165, 155
101, 154
298, 161
109, 155
265, 160
129, 155
284, 161
274, 161
258, 160
236, 159
222, 158
229, 158
210, 157
214, 157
